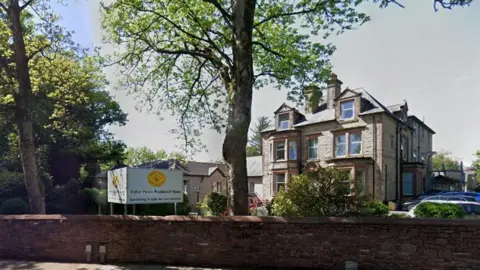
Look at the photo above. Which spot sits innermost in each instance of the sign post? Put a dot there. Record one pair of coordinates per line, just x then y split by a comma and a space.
144, 186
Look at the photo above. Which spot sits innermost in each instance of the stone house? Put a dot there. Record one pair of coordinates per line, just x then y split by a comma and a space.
384, 148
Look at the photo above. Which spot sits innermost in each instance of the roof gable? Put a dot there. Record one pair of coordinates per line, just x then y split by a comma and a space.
347, 93
284, 108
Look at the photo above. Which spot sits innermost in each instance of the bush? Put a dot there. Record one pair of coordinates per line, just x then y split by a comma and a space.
270, 205
14, 206
439, 210
398, 216
317, 192
374, 209
165, 209
217, 203
260, 211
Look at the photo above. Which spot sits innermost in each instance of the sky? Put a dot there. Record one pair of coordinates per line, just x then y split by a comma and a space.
430, 59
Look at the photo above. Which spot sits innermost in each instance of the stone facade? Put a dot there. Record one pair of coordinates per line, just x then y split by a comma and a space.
381, 162
245, 242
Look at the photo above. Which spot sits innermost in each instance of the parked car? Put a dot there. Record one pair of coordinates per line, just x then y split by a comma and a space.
469, 208
460, 193
407, 206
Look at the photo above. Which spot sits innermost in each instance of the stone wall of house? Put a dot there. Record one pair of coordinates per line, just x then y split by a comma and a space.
206, 185
249, 242
389, 147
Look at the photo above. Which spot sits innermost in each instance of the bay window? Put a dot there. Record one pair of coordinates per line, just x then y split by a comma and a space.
280, 182
292, 150
280, 151
360, 180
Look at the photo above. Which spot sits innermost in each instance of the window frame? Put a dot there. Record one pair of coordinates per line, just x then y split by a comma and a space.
342, 110
294, 143
276, 189
311, 147
414, 155
364, 180
350, 143
277, 149
347, 135
280, 121
249, 187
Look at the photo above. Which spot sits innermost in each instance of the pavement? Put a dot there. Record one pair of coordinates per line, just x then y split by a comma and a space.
25, 265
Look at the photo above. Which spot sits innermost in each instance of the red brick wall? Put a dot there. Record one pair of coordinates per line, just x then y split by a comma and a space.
246, 241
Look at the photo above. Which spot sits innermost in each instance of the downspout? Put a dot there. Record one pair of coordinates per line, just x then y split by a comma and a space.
396, 163
374, 154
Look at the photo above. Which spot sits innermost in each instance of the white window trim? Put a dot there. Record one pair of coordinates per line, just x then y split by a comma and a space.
350, 142
336, 144
353, 109
296, 151
276, 181
280, 122
310, 147
277, 149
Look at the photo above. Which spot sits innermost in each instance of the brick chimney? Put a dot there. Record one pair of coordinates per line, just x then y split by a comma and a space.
333, 90
313, 96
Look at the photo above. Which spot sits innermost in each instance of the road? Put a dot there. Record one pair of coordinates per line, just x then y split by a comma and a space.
20, 265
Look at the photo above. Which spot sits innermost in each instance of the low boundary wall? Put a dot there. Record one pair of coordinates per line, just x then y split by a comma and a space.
325, 243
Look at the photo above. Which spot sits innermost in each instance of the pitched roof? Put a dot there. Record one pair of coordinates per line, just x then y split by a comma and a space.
254, 166
191, 168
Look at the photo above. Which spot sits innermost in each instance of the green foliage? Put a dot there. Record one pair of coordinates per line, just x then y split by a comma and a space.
254, 147
439, 210
215, 203
165, 209
444, 159
14, 206
137, 156
374, 209
260, 211
320, 192
11, 185
398, 216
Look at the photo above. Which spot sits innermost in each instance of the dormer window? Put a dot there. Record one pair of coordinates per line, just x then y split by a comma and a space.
283, 121
347, 110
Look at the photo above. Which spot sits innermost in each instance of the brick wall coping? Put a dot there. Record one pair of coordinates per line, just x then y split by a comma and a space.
245, 219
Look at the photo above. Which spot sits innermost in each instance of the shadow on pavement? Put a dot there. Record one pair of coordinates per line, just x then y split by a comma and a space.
14, 265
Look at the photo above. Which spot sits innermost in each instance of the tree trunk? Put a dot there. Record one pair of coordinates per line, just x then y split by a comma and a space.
23, 115
240, 105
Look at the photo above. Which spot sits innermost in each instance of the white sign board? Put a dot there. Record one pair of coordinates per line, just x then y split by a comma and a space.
145, 186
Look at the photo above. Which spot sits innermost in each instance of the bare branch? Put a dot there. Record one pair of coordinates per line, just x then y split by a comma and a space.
27, 3
226, 16
4, 7
288, 14
266, 48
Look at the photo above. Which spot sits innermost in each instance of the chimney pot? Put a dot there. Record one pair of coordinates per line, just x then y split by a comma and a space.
333, 90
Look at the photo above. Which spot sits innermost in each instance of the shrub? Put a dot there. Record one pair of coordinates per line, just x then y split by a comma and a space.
217, 203
165, 209
14, 206
270, 205
374, 209
317, 192
439, 210
398, 216
260, 211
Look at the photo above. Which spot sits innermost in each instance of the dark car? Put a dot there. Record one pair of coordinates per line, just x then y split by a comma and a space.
406, 206
460, 193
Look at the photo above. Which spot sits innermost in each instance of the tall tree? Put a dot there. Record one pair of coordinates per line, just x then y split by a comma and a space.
15, 59
254, 147
444, 160
201, 59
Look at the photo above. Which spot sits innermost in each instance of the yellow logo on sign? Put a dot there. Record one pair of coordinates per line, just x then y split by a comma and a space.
115, 180
156, 178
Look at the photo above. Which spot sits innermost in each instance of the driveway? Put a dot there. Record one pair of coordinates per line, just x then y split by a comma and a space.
19, 265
